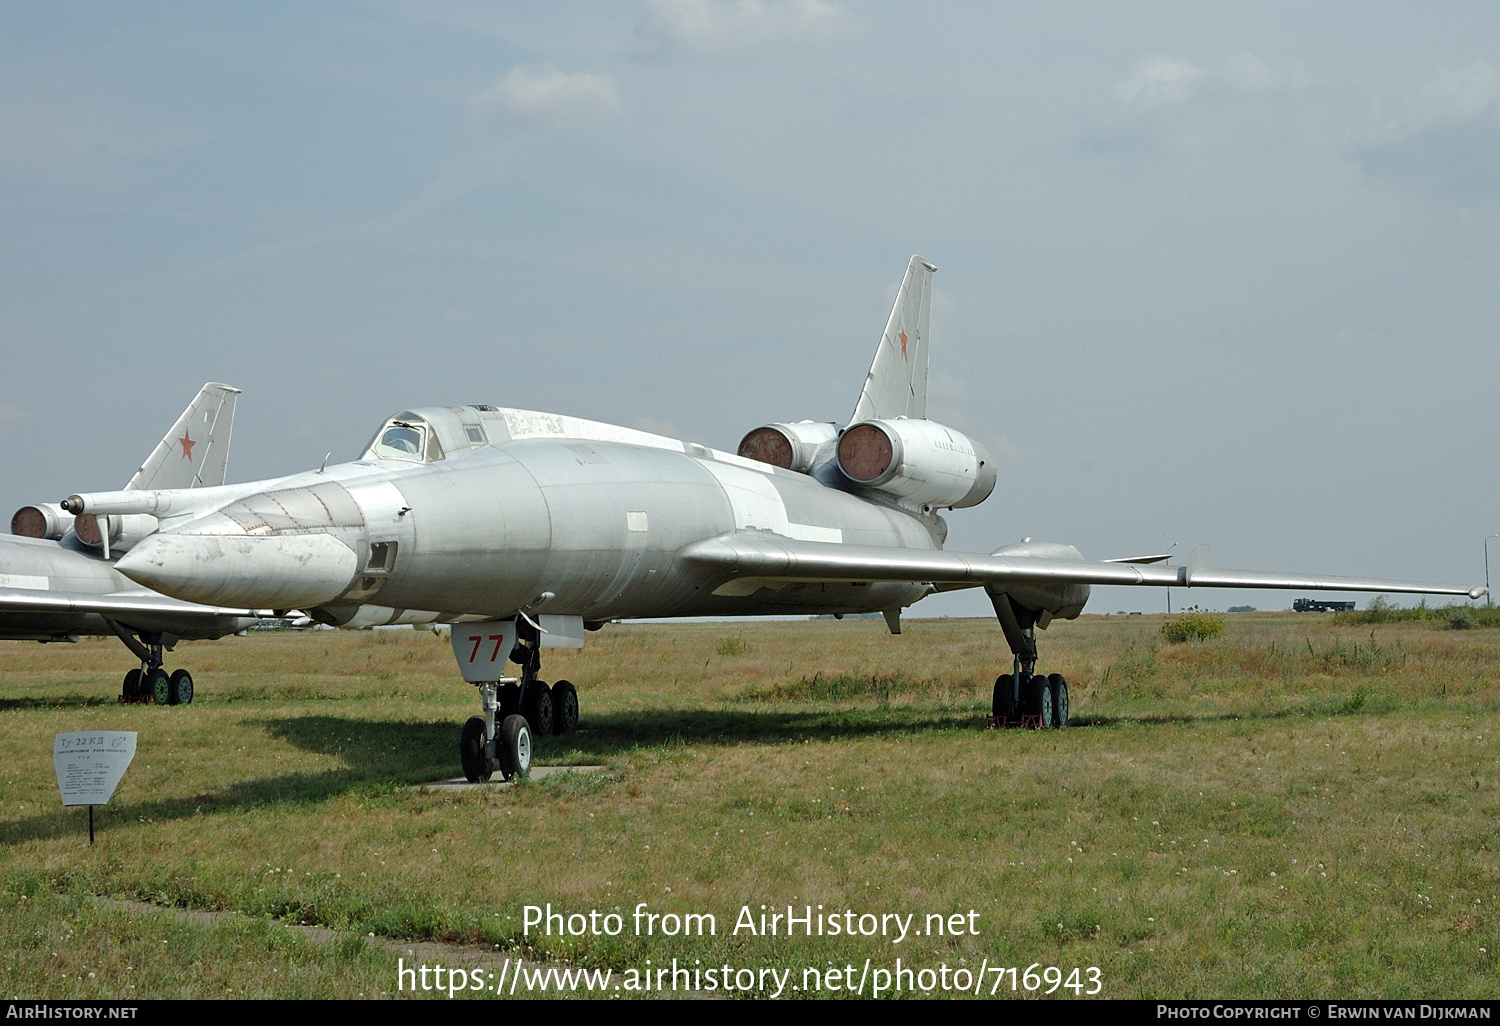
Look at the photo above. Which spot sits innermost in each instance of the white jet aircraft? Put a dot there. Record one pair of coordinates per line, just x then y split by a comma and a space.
525, 530
58, 581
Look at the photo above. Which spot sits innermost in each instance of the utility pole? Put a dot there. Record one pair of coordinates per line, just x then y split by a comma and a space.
1169, 590
1488, 600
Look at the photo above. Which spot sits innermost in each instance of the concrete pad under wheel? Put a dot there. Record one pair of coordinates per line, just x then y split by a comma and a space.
495, 781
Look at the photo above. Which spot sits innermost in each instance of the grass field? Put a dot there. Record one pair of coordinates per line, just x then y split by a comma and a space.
1298, 808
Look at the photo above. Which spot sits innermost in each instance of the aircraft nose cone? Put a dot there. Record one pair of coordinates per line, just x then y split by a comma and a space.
277, 572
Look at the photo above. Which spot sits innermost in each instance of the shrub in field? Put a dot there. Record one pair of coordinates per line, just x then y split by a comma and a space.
1193, 625
1455, 616
1460, 618
732, 646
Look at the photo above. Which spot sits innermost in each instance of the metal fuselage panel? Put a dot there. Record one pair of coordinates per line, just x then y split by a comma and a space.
62, 566
600, 524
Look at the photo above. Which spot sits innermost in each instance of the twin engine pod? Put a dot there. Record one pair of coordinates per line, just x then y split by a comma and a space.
789, 446
125, 530
920, 461
41, 520
51, 521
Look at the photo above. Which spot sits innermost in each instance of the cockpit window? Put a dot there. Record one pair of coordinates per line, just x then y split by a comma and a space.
402, 442
403, 439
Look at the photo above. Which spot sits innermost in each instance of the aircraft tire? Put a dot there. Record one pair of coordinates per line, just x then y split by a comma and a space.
1058, 685
181, 687
564, 707
476, 762
1003, 704
1038, 701
130, 690
513, 747
539, 709
157, 686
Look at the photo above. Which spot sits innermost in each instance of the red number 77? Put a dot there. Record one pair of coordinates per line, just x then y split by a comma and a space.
476, 639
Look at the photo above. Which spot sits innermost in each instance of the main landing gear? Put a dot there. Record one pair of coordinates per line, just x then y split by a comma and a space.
516, 710
151, 683
1023, 697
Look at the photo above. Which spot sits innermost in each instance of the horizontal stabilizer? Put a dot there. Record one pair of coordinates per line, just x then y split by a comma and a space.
1141, 559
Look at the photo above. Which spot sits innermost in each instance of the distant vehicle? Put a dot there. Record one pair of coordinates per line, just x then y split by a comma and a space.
1320, 606
57, 572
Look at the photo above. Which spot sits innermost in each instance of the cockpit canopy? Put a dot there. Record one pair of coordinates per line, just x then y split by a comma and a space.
405, 436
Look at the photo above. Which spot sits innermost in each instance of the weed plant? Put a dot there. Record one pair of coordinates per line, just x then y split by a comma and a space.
1193, 625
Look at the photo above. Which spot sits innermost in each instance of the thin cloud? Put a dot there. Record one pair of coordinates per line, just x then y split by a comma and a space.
734, 26
1165, 97
1446, 136
547, 96
1161, 82
1247, 75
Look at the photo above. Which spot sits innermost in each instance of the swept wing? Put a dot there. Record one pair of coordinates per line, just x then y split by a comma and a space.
749, 558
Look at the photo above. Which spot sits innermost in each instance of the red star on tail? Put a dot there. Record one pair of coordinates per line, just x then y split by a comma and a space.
903, 344
187, 443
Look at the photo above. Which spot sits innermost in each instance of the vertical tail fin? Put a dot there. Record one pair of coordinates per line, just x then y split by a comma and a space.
195, 453
897, 383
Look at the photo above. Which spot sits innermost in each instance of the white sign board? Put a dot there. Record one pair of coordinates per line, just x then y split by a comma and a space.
483, 648
90, 763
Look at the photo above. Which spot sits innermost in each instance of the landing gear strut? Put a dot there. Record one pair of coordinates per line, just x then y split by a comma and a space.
516, 710
151, 682
1023, 697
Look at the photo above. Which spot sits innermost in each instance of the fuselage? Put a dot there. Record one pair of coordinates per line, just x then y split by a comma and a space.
477, 512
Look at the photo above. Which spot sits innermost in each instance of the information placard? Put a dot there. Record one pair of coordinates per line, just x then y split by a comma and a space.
90, 763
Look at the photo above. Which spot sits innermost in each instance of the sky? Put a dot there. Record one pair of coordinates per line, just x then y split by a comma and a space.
1215, 273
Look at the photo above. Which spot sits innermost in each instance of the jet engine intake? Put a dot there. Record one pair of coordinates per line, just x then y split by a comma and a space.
41, 520
919, 461
789, 446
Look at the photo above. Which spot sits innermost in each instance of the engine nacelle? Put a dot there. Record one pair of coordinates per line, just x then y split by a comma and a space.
41, 520
789, 446
124, 530
920, 461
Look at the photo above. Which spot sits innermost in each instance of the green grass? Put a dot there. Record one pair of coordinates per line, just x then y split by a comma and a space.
1297, 808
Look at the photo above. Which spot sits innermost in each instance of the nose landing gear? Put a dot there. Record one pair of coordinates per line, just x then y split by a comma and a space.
516, 711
